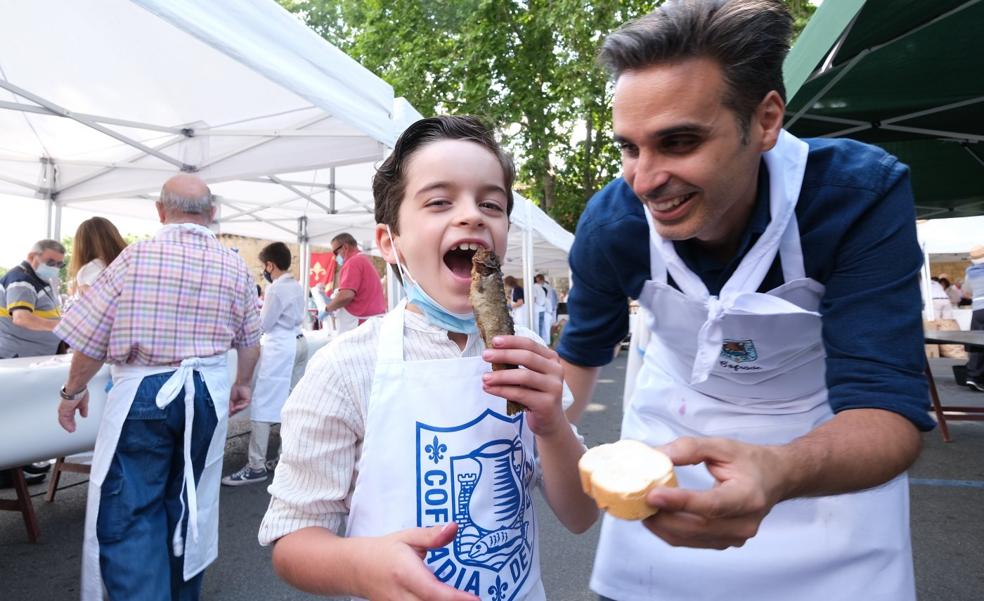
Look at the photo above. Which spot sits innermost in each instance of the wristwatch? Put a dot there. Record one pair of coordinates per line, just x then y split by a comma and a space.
72, 397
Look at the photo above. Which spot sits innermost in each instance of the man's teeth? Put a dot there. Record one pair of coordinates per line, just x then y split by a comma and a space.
467, 246
670, 204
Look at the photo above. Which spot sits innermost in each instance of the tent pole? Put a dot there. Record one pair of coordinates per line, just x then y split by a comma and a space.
927, 292
305, 249
56, 222
528, 266
331, 192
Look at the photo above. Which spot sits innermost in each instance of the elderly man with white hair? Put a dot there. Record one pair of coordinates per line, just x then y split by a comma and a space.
163, 315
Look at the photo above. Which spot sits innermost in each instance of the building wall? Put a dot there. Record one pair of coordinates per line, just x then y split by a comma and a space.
249, 250
954, 270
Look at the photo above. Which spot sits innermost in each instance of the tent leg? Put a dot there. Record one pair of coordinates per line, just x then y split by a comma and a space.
304, 246
528, 276
53, 223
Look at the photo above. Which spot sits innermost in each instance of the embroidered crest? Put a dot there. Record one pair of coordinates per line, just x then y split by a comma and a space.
739, 351
478, 475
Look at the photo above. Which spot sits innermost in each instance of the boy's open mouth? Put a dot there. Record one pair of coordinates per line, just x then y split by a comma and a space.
459, 258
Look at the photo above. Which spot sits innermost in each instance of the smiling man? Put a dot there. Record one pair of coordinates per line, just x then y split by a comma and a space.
779, 281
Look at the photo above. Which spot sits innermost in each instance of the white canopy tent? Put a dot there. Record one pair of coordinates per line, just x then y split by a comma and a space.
285, 127
946, 240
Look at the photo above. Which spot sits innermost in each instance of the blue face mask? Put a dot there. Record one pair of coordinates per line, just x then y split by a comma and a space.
339, 260
436, 314
46, 272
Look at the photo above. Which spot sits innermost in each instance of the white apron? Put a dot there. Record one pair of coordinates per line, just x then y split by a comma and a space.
345, 321
751, 367
201, 547
439, 449
277, 351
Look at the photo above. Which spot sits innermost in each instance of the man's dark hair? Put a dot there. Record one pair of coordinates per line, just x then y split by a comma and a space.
346, 238
389, 183
278, 254
748, 38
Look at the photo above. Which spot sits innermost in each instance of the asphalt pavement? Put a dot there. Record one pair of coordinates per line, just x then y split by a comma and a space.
947, 495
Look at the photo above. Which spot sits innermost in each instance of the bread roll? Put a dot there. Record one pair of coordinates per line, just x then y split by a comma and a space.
618, 477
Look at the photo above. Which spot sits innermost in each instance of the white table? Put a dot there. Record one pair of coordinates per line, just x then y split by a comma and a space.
29, 429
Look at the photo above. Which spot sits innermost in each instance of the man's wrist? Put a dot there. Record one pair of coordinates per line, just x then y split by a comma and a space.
72, 393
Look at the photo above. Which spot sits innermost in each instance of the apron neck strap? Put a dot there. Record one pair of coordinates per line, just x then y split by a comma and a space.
391, 333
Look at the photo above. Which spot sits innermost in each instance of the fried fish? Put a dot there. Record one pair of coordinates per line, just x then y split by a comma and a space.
488, 299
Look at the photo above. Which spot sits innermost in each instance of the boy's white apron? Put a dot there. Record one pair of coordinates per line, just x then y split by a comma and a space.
750, 367
273, 375
201, 546
278, 348
438, 449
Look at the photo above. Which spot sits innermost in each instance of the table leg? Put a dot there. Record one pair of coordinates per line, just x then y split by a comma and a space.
937, 407
23, 504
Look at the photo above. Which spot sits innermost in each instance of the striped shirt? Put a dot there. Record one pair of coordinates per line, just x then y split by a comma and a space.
324, 423
176, 296
22, 290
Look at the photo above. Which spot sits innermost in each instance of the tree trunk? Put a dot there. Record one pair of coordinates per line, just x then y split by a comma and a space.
549, 186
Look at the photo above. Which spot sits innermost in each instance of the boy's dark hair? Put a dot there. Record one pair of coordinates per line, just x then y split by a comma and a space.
389, 183
749, 39
278, 254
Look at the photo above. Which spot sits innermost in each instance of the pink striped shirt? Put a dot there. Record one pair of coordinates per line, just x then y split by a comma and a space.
176, 296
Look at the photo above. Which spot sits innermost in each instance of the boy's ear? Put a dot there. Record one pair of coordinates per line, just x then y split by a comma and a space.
385, 244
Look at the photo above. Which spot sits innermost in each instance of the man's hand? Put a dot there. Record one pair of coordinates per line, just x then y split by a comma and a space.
239, 397
66, 411
749, 484
538, 387
400, 573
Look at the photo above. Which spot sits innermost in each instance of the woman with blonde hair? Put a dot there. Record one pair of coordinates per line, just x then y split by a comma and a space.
97, 243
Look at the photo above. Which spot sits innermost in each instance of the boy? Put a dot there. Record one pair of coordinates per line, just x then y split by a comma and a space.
400, 425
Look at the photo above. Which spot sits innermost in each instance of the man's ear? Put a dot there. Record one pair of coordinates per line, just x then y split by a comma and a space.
768, 119
385, 244
160, 210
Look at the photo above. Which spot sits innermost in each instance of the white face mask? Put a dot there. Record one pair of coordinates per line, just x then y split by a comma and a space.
46, 272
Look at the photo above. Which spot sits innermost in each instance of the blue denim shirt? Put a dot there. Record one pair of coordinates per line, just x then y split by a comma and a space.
856, 217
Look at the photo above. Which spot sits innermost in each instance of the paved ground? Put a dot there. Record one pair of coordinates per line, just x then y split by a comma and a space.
947, 522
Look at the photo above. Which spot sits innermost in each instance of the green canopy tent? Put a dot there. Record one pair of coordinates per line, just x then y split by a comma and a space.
907, 75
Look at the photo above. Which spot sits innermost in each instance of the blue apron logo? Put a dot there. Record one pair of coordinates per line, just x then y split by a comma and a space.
484, 487
739, 351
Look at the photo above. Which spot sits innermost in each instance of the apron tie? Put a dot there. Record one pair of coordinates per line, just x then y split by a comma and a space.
184, 377
709, 340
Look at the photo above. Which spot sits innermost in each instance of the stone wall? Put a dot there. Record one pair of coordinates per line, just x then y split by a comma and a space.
953, 270
249, 250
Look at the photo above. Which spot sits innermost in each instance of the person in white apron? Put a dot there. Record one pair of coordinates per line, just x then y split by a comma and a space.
780, 497
151, 524
696, 380
517, 298
437, 448
282, 314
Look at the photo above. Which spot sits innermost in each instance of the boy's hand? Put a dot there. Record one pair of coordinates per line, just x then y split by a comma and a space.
401, 574
538, 387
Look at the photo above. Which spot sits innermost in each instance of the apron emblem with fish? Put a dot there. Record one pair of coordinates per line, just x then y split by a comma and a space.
483, 489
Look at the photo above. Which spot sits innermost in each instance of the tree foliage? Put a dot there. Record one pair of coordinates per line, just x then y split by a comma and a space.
526, 66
